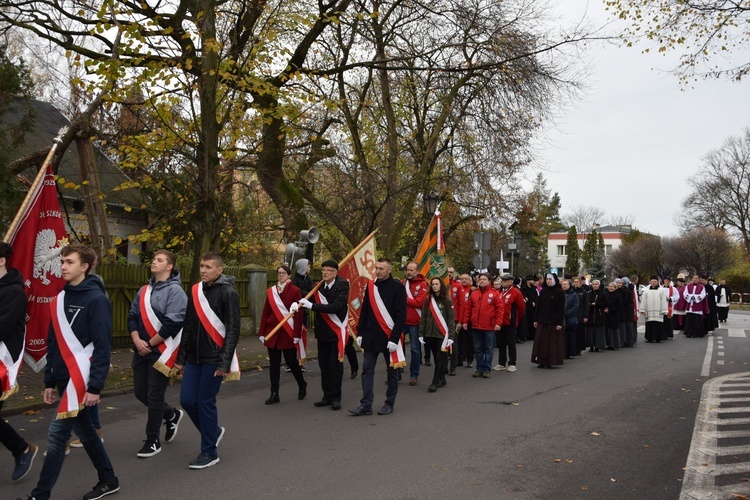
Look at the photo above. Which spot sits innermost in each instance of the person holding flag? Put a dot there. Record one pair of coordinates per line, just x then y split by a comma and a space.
155, 325
330, 304
381, 321
78, 360
437, 329
281, 299
13, 317
207, 352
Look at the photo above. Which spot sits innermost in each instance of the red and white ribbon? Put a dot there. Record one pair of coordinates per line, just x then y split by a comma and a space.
9, 370
281, 311
398, 360
214, 326
335, 324
407, 285
170, 346
441, 324
77, 360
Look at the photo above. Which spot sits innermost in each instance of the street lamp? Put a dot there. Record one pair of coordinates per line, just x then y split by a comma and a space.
431, 202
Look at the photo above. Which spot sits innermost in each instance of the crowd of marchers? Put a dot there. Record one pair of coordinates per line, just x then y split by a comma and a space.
447, 323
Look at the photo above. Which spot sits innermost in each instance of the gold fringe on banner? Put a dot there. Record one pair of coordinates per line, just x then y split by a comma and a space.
6, 394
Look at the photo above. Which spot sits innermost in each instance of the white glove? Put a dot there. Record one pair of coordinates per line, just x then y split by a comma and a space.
296, 341
262, 339
421, 340
305, 303
294, 308
450, 342
359, 341
392, 347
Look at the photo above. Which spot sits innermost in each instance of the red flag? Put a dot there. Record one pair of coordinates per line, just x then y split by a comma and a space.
37, 241
358, 271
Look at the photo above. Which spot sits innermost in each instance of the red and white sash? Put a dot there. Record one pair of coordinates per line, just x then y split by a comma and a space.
77, 360
441, 324
398, 360
214, 326
636, 305
669, 302
281, 311
407, 285
335, 324
170, 346
9, 371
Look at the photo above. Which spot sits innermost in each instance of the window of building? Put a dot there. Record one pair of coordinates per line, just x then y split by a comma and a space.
561, 250
607, 249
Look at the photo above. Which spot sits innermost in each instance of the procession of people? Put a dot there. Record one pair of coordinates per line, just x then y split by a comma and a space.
457, 320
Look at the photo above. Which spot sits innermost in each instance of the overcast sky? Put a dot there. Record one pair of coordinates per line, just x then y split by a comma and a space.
631, 142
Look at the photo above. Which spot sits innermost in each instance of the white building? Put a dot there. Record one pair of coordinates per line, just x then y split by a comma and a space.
557, 243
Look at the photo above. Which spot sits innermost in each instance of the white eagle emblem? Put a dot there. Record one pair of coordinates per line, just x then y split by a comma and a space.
47, 255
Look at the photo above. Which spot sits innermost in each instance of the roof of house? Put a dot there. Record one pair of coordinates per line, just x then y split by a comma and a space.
46, 122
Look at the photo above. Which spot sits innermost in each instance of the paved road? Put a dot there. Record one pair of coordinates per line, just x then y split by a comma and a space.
615, 425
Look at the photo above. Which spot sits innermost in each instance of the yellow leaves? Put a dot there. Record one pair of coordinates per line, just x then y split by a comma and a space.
127, 208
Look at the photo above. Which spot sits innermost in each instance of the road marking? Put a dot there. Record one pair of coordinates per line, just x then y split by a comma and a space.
702, 469
641, 329
707, 360
736, 332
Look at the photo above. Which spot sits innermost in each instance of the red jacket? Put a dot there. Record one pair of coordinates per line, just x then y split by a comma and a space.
457, 296
419, 291
466, 305
281, 339
514, 306
486, 309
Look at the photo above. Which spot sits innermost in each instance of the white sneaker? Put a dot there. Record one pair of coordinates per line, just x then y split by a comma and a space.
511, 368
498, 367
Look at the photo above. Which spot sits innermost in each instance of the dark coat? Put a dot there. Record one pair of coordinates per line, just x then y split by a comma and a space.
338, 302
90, 311
550, 309
597, 303
571, 307
394, 298
197, 346
268, 320
613, 305
583, 302
627, 306
428, 327
12, 312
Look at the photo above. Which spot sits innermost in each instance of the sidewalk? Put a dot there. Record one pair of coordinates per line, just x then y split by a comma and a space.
251, 353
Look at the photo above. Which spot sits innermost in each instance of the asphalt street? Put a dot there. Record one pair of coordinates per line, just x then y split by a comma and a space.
615, 425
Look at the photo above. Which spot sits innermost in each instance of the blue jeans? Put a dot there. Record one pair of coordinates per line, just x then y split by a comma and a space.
370, 359
484, 345
416, 350
57, 436
198, 397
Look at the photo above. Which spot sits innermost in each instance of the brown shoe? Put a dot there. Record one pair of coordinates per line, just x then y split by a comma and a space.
413, 381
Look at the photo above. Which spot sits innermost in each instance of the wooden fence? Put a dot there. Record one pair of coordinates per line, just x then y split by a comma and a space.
122, 282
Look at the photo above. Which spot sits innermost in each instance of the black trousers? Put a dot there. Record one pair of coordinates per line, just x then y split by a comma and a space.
506, 344
290, 356
10, 438
331, 370
150, 387
432, 344
465, 345
351, 354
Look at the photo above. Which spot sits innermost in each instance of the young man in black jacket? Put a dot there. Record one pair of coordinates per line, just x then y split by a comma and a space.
13, 319
207, 352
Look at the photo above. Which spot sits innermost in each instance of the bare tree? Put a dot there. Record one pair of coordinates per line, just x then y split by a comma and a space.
584, 217
702, 250
643, 257
721, 191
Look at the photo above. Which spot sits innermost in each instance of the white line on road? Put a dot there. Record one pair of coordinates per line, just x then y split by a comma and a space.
707, 360
736, 332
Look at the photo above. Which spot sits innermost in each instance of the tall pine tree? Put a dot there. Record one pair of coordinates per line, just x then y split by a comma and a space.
573, 260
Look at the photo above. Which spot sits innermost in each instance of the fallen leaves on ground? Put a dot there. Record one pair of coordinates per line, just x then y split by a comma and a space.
595, 434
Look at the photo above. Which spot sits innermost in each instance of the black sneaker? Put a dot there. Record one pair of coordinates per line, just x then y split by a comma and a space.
172, 425
102, 489
24, 462
150, 448
204, 460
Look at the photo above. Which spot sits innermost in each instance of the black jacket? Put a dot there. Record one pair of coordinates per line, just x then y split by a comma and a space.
393, 294
550, 309
89, 313
627, 307
12, 312
583, 302
613, 304
597, 303
197, 346
338, 302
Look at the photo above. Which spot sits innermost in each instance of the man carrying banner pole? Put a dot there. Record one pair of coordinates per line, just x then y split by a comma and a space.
78, 361
155, 325
330, 305
13, 319
381, 322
